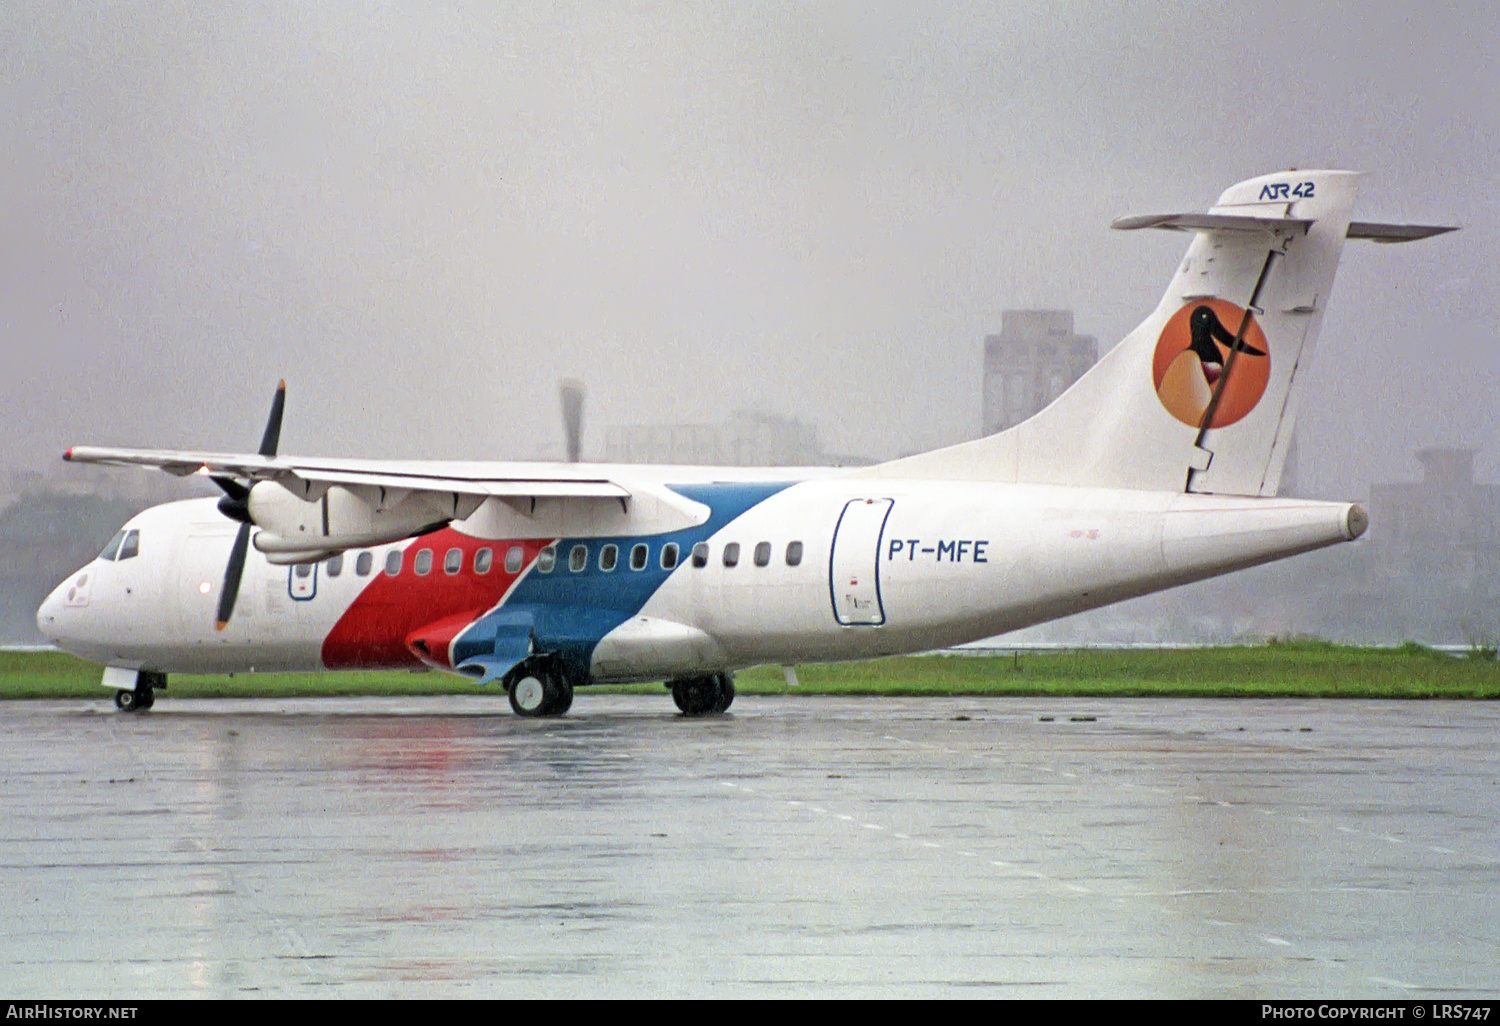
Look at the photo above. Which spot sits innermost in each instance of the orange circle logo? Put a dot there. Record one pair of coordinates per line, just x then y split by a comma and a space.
1192, 363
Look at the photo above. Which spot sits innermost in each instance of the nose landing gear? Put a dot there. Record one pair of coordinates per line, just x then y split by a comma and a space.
144, 695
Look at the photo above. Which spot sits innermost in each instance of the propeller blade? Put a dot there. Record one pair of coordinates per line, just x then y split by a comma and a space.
232, 489
236, 506
232, 574
272, 438
571, 392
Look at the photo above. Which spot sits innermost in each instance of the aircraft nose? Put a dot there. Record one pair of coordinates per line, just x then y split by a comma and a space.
58, 610
49, 613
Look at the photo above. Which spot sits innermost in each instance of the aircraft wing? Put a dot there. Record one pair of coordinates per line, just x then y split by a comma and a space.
309, 478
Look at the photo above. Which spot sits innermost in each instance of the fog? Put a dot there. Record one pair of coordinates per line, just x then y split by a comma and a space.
424, 217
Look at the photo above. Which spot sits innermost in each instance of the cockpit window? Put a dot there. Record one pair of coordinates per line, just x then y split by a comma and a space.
124, 545
113, 548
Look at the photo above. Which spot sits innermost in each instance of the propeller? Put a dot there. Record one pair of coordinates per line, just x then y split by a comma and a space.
236, 506
571, 392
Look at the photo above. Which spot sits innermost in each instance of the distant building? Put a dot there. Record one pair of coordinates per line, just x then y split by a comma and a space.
745, 439
1444, 526
1026, 366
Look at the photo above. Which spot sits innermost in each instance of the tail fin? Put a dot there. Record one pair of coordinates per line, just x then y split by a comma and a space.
1200, 397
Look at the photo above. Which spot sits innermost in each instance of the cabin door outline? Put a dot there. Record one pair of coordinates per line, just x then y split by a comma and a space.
302, 581
854, 563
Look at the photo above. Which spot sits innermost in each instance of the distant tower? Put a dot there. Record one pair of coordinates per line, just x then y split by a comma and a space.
1026, 366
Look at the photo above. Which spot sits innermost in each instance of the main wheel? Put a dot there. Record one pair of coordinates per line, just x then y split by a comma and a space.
540, 690
696, 696
127, 701
725, 694
529, 694
564, 698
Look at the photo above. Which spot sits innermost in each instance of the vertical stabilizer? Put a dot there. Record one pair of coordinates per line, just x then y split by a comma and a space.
1201, 396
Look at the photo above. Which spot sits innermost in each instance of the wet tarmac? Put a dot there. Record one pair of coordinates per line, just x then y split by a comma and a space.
798, 846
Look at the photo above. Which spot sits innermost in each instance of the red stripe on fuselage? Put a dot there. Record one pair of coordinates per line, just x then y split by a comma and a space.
373, 631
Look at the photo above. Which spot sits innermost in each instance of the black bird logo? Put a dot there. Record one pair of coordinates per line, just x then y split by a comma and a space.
1192, 359
1207, 329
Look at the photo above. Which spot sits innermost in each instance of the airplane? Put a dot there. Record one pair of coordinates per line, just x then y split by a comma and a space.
1149, 472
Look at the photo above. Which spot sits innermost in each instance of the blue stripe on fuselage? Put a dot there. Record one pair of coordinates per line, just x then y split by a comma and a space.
569, 612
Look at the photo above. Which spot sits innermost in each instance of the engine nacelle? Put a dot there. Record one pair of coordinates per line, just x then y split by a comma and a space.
346, 517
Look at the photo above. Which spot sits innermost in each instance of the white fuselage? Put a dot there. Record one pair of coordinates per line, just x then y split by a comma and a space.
828, 568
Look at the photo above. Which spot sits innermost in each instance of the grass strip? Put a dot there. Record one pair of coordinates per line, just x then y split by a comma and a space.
1278, 670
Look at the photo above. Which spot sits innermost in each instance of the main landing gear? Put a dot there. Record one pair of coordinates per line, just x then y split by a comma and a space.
702, 696
539, 688
144, 695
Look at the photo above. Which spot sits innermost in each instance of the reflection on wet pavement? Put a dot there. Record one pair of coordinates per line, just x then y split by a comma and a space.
800, 846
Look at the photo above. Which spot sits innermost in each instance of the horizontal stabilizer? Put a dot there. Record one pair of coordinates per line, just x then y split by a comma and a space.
1377, 232
1212, 223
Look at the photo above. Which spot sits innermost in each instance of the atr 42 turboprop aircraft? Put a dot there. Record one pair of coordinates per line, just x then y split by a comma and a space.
1156, 468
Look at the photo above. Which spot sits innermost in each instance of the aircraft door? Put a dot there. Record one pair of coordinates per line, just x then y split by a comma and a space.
854, 565
302, 581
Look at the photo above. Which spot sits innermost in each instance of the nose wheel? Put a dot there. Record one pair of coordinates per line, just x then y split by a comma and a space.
143, 695
139, 700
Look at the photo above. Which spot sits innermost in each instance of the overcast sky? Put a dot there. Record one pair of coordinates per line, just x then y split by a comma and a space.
422, 216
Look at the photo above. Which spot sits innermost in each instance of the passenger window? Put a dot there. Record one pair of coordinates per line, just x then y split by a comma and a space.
303, 570
607, 557
669, 556
638, 555
336, 565
453, 561
546, 559
514, 557
732, 554
700, 554
363, 562
113, 548
131, 546
578, 558
423, 563
793, 553
393, 562
483, 560
763, 554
